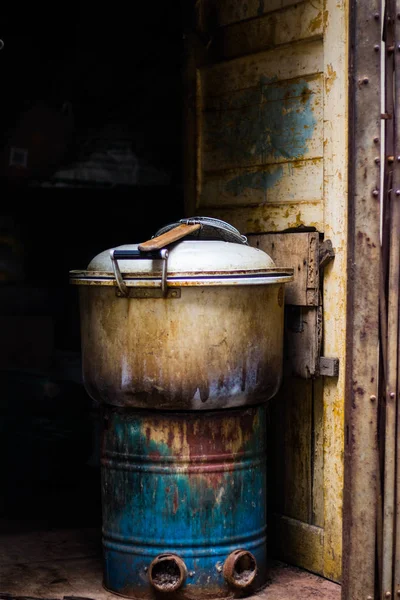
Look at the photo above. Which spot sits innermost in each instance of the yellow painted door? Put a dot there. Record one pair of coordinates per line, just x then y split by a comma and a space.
266, 150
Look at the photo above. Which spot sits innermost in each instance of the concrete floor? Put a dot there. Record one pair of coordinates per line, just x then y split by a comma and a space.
67, 562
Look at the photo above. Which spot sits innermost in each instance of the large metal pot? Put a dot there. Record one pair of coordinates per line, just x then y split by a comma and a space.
197, 326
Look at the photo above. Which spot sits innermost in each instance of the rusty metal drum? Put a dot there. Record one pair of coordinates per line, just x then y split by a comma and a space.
197, 326
184, 502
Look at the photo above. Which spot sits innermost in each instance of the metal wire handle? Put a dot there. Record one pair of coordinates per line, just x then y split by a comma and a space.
223, 230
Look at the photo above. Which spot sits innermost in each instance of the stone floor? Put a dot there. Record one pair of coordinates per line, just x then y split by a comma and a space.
67, 562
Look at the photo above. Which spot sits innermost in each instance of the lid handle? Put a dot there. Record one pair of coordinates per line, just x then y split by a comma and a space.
167, 238
135, 255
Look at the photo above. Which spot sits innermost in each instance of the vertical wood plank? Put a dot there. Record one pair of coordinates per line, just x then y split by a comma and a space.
298, 543
317, 454
336, 158
290, 451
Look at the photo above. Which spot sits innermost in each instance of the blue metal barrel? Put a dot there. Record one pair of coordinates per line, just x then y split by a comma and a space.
184, 502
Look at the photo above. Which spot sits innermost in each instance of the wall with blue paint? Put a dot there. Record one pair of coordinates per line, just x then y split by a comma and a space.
269, 123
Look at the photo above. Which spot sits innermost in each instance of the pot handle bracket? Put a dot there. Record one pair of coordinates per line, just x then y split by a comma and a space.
137, 255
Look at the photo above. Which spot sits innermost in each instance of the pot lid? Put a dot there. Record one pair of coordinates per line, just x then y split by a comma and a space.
194, 259
191, 257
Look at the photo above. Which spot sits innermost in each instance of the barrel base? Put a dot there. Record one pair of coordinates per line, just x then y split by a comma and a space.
188, 596
207, 582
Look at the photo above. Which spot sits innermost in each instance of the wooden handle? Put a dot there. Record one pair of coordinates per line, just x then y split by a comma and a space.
167, 238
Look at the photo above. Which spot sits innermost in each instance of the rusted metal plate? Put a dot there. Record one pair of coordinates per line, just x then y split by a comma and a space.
394, 61
361, 452
190, 484
389, 388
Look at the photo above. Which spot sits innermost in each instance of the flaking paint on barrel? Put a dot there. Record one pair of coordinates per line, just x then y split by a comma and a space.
188, 483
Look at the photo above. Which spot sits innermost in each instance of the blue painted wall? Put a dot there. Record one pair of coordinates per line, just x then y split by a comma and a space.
273, 120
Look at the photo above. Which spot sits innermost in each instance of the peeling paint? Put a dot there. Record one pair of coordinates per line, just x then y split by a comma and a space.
297, 223
188, 483
330, 78
272, 119
316, 23
261, 180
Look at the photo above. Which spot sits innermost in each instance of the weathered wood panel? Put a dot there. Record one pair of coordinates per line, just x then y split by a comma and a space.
225, 12
287, 183
336, 275
300, 252
302, 341
262, 132
272, 217
289, 450
288, 62
317, 454
299, 22
298, 543
272, 122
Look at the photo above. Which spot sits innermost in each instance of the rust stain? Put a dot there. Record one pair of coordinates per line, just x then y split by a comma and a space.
297, 223
330, 78
234, 437
170, 435
176, 501
316, 23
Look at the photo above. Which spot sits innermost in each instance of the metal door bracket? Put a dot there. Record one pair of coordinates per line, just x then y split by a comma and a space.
326, 253
328, 367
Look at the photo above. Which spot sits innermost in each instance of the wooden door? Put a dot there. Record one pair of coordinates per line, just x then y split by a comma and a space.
266, 150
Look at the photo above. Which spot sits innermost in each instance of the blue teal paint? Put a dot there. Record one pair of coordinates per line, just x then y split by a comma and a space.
259, 180
182, 483
274, 119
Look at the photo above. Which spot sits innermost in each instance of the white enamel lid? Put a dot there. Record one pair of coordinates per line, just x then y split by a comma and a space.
197, 262
192, 256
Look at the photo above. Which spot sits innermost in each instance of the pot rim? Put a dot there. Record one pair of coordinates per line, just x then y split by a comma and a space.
97, 278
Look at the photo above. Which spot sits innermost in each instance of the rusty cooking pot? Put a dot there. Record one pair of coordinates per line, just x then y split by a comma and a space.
196, 324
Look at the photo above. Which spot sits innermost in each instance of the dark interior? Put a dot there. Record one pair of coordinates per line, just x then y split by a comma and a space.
90, 158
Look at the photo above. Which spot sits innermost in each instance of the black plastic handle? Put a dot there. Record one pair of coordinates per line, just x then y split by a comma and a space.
136, 254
